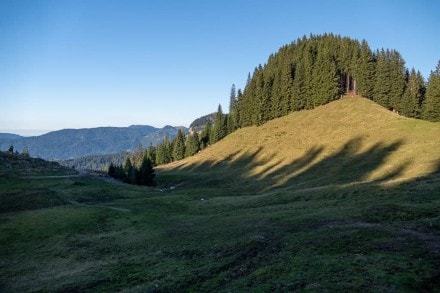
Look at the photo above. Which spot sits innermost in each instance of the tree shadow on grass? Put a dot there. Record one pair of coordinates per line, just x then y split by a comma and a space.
352, 163
347, 165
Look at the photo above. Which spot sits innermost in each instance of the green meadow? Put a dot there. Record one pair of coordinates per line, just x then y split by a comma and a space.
345, 197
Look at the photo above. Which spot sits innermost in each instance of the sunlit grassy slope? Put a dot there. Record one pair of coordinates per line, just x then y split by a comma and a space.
352, 140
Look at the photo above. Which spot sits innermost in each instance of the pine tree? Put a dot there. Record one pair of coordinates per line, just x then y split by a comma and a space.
365, 71
151, 154
205, 136
414, 94
179, 146
145, 174
219, 128
111, 170
382, 83
164, 152
325, 82
192, 144
431, 107
130, 172
232, 120
398, 79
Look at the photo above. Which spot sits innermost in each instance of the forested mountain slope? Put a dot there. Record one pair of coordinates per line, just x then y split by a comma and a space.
74, 143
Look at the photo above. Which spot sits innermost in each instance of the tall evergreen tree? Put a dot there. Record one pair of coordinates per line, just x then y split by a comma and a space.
325, 82
130, 172
219, 128
382, 83
179, 146
145, 174
232, 120
192, 144
364, 72
205, 136
414, 94
164, 152
431, 107
398, 79
150, 153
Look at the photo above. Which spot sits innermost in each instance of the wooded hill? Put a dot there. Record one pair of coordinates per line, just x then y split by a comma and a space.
314, 71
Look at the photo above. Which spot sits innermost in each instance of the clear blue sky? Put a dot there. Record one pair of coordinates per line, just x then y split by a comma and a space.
85, 63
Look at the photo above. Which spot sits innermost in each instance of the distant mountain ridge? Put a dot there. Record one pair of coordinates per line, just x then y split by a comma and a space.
9, 136
73, 143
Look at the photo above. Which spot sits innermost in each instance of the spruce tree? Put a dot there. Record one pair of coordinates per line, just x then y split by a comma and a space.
130, 172
164, 152
219, 128
414, 94
398, 79
111, 170
179, 146
146, 175
382, 78
364, 73
431, 107
325, 82
192, 144
205, 136
151, 154
232, 120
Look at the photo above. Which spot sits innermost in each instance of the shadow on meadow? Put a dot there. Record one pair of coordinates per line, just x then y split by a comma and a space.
350, 164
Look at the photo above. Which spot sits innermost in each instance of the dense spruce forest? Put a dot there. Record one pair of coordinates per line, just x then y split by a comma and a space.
308, 73
314, 71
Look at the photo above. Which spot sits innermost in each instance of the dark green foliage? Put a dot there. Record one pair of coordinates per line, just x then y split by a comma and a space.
313, 71
232, 117
164, 152
179, 146
325, 82
219, 129
150, 153
130, 172
11, 149
412, 99
143, 175
205, 136
431, 107
192, 144
111, 170
364, 71
96, 162
389, 79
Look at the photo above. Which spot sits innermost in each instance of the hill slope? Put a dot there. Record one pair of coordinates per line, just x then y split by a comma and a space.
346, 141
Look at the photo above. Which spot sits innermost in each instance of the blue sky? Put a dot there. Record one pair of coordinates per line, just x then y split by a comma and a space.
85, 63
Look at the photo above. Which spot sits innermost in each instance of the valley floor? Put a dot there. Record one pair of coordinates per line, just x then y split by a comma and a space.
217, 231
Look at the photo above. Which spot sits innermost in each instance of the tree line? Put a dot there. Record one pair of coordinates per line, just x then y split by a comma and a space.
314, 71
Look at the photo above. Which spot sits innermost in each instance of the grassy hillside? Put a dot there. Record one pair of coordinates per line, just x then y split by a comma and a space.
342, 198
352, 140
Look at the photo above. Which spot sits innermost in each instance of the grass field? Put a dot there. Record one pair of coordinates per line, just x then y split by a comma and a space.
345, 197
